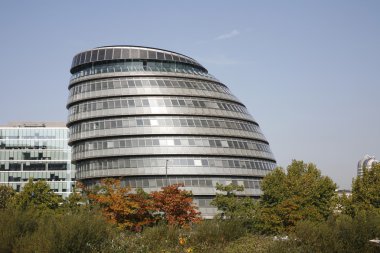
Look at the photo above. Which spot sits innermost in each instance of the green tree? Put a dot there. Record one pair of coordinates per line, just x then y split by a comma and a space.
366, 190
37, 195
301, 193
232, 206
6, 195
77, 200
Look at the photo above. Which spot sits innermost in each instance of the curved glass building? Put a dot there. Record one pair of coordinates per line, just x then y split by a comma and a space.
156, 117
367, 162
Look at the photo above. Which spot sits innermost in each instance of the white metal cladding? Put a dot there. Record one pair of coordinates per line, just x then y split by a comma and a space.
127, 86
135, 110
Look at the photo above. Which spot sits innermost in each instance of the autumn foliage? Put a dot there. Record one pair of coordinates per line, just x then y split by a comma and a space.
117, 204
176, 205
134, 210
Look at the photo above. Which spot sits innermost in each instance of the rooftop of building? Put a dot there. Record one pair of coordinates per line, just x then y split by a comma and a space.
33, 124
142, 47
367, 161
86, 59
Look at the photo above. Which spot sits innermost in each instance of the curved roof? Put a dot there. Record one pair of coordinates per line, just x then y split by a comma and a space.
367, 162
123, 52
155, 48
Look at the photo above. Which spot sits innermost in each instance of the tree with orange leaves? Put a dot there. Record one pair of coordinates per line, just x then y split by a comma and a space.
176, 205
120, 206
134, 210
143, 215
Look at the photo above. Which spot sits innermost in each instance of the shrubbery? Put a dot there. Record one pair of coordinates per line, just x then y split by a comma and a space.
33, 231
299, 207
341, 234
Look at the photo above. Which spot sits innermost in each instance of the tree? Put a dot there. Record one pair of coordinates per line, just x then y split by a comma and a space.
144, 215
77, 200
37, 195
6, 195
366, 190
134, 210
176, 205
120, 206
300, 194
232, 206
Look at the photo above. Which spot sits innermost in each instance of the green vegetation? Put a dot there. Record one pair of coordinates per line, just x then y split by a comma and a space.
298, 212
37, 195
230, 205
30, 231
341, 234
300, 194
6, 196
366, 191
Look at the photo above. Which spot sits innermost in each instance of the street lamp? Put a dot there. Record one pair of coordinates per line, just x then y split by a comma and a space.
166, 172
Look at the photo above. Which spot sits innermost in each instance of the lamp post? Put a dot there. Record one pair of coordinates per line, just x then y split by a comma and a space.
166, 172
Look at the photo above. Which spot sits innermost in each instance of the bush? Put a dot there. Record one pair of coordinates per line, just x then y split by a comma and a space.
82, 232
208, 236
34, 231
160, 238
338, 234
250, 243
213, 235
15, 224
354, 233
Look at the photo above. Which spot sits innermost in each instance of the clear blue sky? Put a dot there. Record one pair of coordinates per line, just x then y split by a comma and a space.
308, 71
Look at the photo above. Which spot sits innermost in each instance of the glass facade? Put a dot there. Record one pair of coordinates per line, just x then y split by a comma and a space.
133, 66
150, 102
39, 151
155, 117
141, 82
367, 162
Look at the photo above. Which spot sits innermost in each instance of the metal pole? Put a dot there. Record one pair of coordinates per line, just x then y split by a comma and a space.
166, 172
